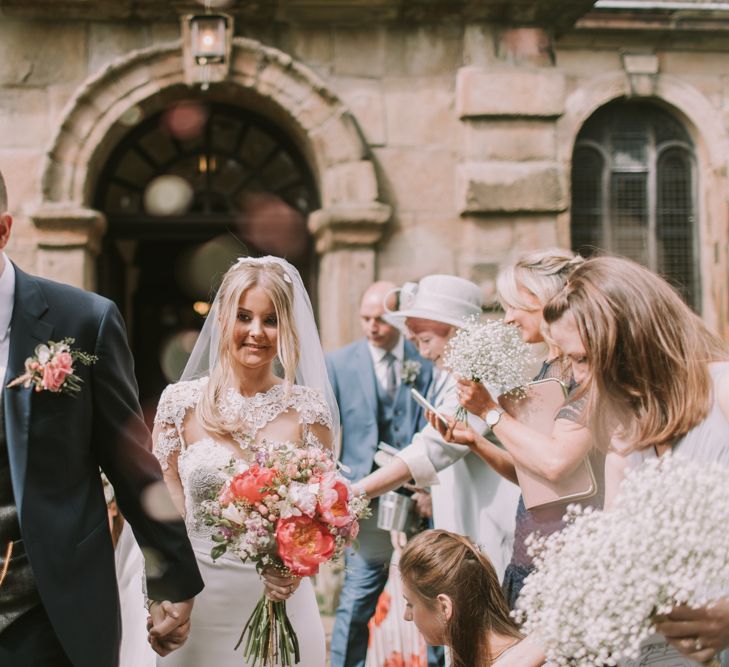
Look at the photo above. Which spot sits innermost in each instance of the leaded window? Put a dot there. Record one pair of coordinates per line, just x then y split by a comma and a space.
634, 192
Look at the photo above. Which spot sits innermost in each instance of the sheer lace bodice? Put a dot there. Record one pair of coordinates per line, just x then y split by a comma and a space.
270, 419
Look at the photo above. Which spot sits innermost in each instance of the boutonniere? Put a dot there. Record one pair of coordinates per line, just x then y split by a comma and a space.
410, 371
51, 368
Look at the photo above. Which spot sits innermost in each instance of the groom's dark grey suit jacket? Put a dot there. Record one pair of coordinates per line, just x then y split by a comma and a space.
56, 444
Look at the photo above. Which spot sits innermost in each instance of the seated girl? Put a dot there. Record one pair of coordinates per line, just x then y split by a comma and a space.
454, 598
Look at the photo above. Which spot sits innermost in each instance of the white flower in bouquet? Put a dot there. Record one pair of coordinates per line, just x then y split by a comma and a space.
491, 352
599, 583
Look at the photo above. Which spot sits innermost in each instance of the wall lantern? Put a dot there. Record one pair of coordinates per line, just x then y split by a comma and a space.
207, 42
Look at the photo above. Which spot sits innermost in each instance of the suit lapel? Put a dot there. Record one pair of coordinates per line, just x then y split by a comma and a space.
367, 375
27, 330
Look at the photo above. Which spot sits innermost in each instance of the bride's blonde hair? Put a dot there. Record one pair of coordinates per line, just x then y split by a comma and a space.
242, 276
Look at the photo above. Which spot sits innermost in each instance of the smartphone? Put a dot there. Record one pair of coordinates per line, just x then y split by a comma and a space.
427, 405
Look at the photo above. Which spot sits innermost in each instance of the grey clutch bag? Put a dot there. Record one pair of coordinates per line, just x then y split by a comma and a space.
538, 410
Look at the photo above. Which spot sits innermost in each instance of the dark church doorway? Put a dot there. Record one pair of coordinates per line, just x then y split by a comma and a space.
186, 192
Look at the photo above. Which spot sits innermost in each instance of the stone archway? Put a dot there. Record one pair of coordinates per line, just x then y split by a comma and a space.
704, 123
346, 228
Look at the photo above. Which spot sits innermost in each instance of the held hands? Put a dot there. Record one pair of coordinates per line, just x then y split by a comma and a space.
168, 624
278, 587
697, 633
457, 432
475, 397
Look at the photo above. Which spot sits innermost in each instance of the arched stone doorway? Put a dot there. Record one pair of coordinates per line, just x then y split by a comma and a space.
348, 223
184, 193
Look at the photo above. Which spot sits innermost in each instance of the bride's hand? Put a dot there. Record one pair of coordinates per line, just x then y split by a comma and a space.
457, 432
278, 587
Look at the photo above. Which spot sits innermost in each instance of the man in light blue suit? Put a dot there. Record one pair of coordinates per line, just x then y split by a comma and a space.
371, 380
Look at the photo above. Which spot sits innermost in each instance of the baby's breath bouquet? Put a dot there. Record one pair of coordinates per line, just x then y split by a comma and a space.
491, 352
600, 582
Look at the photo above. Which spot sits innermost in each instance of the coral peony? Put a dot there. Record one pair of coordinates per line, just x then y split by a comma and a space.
303, 544
250, 485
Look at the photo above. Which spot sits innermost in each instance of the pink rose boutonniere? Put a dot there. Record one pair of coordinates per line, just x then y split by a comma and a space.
51, 368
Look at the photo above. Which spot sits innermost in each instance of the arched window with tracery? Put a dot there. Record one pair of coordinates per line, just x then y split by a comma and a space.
634, 192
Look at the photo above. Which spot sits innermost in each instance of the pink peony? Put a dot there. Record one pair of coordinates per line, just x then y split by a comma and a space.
334, 501
304, 544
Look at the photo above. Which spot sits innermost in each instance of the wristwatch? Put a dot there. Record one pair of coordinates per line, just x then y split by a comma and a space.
493, 416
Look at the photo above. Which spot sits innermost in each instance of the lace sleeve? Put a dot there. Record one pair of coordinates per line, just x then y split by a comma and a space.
315, 417
176, 399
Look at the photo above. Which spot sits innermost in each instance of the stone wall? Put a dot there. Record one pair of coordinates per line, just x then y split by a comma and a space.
469, 127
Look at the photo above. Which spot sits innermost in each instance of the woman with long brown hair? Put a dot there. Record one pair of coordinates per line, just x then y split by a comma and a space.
454, 598
657, 380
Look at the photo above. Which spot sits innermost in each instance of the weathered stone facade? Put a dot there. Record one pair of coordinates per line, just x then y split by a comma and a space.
439, 144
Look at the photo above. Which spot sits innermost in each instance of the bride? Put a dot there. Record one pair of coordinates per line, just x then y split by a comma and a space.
231, 404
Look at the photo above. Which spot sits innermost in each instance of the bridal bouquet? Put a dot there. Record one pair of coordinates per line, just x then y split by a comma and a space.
599, 583
491, 352
292, 511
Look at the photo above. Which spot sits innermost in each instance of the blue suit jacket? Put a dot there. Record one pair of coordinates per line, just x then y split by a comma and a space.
352, 375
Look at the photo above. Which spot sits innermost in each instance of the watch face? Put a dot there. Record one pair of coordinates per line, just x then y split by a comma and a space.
492, 417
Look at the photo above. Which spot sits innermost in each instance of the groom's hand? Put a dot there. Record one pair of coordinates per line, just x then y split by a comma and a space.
169, 625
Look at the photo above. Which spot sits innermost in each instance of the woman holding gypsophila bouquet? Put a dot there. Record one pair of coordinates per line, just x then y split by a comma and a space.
524, 287
226, 426
657, 381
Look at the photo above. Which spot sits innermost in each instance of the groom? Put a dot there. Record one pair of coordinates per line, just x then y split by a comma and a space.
59, 604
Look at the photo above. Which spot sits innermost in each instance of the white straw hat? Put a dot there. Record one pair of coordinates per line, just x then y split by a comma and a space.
447, 299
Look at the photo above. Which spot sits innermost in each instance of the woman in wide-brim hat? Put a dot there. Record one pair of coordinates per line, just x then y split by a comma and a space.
469, 498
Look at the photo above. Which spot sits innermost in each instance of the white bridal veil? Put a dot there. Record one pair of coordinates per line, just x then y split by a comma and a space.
311, 371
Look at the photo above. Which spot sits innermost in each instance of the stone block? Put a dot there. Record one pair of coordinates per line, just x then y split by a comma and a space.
432, 50
338, 140
509, 91
167, 31
479, 45
350, 183
24, 118
108, 41
416, 179
517, 140
366, 100
283, 85
586, 62
420, 112
21, 170
492, 187
313, 45
244, 66
412, 252
359, 51
38, 53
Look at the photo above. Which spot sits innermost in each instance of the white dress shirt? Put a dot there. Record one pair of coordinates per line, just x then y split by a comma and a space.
378, 359
7, 297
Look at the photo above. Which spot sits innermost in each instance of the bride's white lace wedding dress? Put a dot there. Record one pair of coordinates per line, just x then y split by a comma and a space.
233, 588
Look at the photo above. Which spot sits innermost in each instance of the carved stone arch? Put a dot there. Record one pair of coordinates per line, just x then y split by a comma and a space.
347, 227
704, 124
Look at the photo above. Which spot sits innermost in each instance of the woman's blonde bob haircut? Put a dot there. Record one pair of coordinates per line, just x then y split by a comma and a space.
541, 272
648, 353
242, 276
